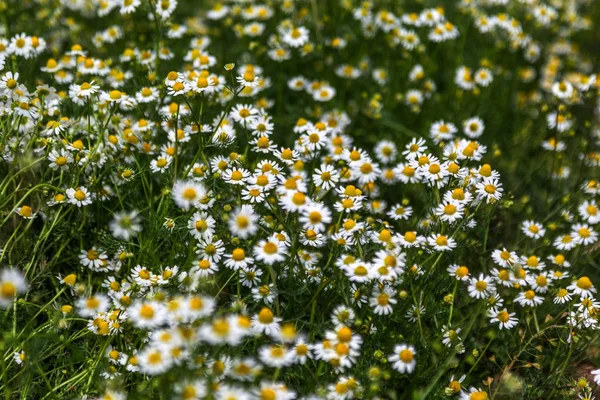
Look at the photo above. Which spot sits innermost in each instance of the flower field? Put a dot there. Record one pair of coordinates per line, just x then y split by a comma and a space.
309, 199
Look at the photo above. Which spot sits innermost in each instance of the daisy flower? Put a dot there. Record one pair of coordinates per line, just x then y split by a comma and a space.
529, 298
533, 229
12, 284
504, 258
154, 361
562, 90
382, 301
79, 196
399, 212
490, 190
90, 306
265, 322
201, 226
125, 225
270, 251
562, 296
242, 222
583, 234
449, 211
474, 394
503, 318
441, 242
459, 272
481, 287
238, 259
326, 177
582, 287
188, 194
403, 358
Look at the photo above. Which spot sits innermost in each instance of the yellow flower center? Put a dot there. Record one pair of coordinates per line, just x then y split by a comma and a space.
265, 316
189, 194
450, 209
383, 299
406, 356
80, 195
115, 94
147, 311
584, 232
529, 295
503, 316
238, 255
478, 396
584, 283
201, 225
8, 289
361, 270
491, 189
270, 248
441, 240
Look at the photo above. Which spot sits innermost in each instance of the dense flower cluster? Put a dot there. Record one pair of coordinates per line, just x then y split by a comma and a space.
186, 220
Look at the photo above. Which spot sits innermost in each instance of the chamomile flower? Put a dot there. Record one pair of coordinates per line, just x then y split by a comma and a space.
90, 306
590, 212
481, 287
503, 318
460, 272
161, 164
12, 284
562, 90
201, 226
583, 287
188, 194
504, 258
441, 242
382, 301
316, 217
326, 177
474, 394
60, 159
242, 222
25, 212
490, 190
451, 336
562, 296
125, 224
533, 229
147, 314
238, 259
473, 127
583, 234
154, 360
79, 196
400, 212
265, 322
449, 211
270, 251
529, 298
403, 358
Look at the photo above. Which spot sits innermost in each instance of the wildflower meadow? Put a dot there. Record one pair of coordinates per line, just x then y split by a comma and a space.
299, 199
